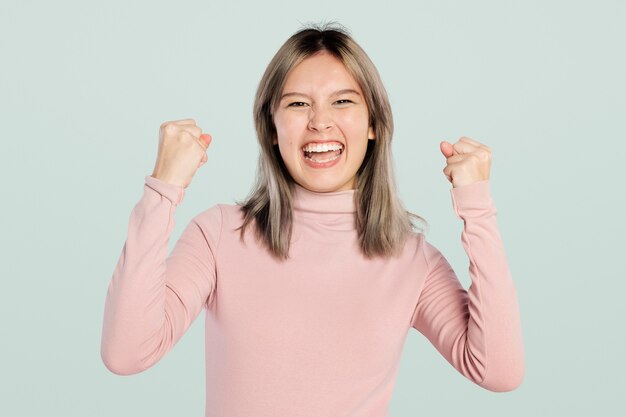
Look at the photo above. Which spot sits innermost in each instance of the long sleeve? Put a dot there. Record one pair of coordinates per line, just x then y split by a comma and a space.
479, 330
152, 299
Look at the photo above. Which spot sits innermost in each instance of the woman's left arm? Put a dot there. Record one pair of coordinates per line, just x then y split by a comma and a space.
479, 330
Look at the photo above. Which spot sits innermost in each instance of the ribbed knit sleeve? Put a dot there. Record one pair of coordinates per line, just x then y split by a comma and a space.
152, 299
479, 330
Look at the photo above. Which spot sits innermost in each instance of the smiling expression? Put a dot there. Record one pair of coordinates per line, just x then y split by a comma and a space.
322, 124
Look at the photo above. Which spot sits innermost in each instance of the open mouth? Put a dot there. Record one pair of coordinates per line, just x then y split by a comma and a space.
322, 152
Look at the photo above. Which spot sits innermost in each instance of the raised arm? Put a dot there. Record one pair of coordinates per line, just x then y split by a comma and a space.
153, 299
478, 331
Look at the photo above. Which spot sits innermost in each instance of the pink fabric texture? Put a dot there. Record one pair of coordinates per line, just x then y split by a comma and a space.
320, 334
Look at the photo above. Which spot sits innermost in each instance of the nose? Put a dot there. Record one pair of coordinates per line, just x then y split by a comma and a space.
320, 120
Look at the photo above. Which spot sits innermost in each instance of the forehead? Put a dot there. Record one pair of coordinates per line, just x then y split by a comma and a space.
318, 73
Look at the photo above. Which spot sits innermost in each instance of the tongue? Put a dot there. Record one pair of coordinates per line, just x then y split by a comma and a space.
320, 156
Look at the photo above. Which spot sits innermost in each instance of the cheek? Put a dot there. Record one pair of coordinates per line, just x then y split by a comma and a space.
279, 124
286, 139
287, 135
289, 123
356, 127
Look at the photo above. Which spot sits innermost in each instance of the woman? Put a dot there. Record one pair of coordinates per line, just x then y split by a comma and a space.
311, 285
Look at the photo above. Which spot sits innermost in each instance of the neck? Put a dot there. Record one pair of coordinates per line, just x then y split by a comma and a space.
315, 202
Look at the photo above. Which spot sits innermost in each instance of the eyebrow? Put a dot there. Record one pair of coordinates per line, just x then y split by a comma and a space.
336, 93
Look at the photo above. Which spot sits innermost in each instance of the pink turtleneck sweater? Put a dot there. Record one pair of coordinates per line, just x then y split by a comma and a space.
322, 333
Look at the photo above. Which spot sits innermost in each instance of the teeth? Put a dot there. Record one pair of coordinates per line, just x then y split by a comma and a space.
322, 147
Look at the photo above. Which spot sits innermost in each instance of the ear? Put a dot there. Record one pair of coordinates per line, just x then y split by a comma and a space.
371, 135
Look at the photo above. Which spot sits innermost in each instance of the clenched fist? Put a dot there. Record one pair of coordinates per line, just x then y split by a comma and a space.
182, 150
467, 161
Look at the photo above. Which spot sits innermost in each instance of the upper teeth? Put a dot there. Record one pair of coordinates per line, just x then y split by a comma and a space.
322, 147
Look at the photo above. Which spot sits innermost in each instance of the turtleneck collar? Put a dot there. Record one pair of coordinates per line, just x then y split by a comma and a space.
315, 202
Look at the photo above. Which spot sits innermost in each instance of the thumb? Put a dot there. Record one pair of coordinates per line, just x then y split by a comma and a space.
446, 149
206, 139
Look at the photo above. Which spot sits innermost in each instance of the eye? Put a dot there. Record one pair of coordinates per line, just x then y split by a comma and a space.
343, 101
296, 104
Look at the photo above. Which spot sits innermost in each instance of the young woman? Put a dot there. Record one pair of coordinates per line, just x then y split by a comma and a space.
311, 285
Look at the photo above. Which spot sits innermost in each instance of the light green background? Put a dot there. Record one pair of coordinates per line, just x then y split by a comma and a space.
85, 85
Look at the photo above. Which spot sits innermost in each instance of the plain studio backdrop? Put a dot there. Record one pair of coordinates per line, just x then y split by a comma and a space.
84, 87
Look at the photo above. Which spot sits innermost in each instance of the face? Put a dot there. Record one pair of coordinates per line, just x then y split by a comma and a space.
322, 124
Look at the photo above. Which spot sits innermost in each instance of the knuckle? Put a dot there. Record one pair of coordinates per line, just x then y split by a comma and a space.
170, 129
486, 154
185, 135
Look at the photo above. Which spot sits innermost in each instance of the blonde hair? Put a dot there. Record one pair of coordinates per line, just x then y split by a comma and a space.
381, 220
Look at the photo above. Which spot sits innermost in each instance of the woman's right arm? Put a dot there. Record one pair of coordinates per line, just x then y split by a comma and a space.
152, 299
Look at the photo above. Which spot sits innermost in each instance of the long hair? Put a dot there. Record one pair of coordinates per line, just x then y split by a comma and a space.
381, 220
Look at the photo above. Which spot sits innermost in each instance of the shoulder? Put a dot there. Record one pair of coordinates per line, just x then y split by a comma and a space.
220, 217
215, 223
219, 213
419, 246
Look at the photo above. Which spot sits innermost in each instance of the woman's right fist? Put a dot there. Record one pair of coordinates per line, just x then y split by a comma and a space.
182, 150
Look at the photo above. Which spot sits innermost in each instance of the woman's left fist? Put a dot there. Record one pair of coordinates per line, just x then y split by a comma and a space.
467, 161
